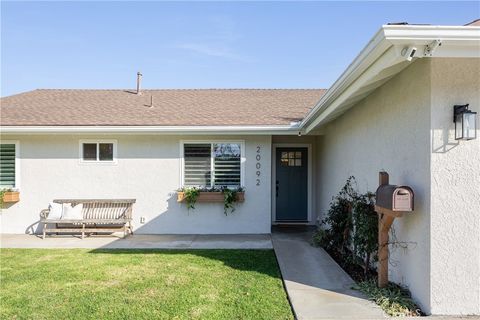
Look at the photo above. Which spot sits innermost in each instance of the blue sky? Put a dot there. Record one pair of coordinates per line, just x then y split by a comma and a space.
196, 44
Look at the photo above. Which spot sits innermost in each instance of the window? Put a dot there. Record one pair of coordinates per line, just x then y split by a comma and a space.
217, 164
98, 151
9, 173
291, 159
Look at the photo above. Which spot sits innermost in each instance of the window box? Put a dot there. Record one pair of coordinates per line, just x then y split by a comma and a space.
206, 196
11, 196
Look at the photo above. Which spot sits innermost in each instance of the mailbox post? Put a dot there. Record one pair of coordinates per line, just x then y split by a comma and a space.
391, 201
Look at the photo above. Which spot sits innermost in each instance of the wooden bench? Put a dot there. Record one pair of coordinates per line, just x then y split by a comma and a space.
99, 215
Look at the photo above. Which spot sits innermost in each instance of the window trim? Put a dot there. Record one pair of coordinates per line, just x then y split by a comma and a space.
17, 160
97, 142
211, 142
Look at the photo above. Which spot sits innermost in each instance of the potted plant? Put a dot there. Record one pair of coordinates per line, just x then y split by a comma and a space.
225, 195
9, 195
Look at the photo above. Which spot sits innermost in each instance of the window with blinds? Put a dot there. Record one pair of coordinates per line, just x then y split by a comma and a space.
226, 164
198, 164
212, 164
7, 165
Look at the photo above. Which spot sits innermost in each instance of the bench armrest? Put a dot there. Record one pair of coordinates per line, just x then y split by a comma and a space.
44, 213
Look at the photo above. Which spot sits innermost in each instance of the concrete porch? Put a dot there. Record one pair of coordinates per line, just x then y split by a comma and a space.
141, 241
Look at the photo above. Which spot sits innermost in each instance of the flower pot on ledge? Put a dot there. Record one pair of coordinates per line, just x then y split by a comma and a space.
11, 196
210, 197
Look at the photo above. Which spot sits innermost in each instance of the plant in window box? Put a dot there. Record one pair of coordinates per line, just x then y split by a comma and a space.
189, 195
9, 195
230, 197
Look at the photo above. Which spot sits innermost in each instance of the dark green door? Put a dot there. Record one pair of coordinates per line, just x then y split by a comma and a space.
291, 184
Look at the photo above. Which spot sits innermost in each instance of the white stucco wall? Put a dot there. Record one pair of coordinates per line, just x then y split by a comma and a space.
455, 193
389, 130
148, 170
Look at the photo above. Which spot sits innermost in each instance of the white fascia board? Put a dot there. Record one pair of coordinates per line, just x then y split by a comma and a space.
384, 51
194, 130
461, 34
367, 56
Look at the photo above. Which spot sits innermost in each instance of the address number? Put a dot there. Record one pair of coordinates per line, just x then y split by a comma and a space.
258, 165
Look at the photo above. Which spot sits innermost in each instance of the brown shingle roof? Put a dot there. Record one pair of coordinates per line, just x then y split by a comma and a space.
474, 23
185, 107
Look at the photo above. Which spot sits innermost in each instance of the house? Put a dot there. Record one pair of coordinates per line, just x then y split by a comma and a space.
292, 150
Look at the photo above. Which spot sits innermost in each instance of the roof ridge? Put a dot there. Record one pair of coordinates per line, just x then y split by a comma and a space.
177, 89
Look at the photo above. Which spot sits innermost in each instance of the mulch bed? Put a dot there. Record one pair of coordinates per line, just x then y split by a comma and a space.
354, 270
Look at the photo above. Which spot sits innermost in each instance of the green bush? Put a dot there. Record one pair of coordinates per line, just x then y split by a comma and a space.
365, 235
350, 227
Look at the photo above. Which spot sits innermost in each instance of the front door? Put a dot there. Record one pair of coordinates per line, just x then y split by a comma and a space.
291, 187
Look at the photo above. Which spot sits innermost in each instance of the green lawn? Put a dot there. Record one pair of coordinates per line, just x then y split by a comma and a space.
141, 284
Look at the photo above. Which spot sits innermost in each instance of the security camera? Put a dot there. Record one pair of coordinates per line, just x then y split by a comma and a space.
299, 133
431, 47
409, 52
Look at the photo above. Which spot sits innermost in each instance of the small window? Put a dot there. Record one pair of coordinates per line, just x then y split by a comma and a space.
291, 159
212, 164
89, 152
8, 165
102, 151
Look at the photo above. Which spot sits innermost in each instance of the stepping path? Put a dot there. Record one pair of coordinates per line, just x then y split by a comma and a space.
316, 285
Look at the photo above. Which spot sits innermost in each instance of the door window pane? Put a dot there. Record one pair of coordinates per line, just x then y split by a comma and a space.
106, 151
90, 151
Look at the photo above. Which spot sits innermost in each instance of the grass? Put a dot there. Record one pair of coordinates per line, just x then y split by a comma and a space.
394, 300
141, 284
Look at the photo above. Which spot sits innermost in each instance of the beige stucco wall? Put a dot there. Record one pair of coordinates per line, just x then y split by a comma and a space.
148, 170
389, 130
455, 191
405, 127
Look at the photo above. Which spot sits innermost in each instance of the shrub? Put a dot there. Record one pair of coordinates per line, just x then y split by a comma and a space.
350, 227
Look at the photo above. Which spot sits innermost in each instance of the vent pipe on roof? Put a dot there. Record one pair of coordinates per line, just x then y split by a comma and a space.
139, 80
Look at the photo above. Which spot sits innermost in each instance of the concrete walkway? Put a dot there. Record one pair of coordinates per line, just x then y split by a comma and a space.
316, 285
240, 241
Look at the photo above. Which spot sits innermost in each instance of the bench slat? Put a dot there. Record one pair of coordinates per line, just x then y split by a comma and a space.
94, 200
89, 221
80, 230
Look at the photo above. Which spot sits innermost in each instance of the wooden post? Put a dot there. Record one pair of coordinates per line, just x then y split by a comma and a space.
384, 223
383, 178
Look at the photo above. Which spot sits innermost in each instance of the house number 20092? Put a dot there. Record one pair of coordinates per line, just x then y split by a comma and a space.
258, 157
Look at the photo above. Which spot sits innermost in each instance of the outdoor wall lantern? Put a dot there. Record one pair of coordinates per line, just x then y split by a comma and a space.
465, 123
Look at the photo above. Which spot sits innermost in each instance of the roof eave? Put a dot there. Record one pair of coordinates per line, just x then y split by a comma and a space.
382, 58
193, 130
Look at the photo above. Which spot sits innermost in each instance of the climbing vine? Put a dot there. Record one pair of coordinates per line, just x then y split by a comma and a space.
350, 228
